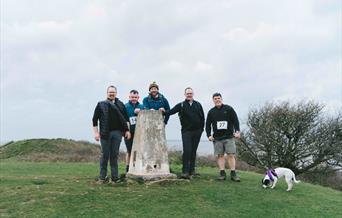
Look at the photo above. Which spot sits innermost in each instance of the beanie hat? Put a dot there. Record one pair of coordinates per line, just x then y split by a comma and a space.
154, 84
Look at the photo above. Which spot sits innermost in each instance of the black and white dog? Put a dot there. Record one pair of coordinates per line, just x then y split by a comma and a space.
272, 176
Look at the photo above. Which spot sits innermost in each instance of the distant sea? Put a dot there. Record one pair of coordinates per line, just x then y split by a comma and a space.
204, 147
3, 143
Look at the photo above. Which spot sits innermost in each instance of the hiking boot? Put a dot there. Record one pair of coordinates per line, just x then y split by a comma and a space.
102, 181
223, 175
185, 176
234, 177
194, 174
115, 181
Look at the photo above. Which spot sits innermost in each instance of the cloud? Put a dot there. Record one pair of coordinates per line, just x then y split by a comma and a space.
57, 58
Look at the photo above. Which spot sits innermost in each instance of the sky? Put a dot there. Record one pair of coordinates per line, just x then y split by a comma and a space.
58, 57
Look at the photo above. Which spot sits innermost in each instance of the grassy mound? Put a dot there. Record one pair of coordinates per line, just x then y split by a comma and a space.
50, 150
45, 189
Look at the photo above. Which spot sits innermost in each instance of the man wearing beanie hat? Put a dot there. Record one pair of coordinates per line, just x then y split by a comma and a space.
156, 101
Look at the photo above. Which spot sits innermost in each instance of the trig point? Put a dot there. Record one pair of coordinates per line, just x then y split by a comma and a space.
149, 157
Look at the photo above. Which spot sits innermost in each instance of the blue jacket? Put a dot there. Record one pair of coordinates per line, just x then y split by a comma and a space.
156, 103
133, 116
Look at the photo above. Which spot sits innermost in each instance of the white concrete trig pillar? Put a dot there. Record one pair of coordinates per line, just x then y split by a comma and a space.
149, 157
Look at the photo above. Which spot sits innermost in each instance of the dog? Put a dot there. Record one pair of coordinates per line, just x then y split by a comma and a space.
272, 176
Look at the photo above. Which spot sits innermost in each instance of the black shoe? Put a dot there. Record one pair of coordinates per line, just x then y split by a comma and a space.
222, 176
185, 176
234, 177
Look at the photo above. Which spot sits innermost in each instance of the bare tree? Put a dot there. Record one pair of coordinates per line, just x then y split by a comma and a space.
296, 136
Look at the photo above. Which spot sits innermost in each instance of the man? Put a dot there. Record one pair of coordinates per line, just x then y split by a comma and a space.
133, 107
191, 117
156, 101
112, 126
225, 124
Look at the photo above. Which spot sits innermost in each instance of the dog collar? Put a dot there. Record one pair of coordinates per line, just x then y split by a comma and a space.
270, 173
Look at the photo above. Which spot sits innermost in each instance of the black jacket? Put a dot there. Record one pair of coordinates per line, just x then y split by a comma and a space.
102, 114
223, 121
191, 116
122, 109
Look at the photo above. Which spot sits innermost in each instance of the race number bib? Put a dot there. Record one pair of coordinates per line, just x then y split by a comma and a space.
222, 125
133, 120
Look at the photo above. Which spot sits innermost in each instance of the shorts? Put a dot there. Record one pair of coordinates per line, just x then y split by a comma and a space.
224, 146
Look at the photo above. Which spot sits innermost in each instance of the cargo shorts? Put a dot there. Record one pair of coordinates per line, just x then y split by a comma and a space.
224, 146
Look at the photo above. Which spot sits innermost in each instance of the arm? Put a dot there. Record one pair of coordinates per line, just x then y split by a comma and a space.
175, 109
208, 125
125, 115
123, 111
146, 104
236, 124
138, 109
167, 107
122, 119
202, 116
96, 117
125, 125
141, 107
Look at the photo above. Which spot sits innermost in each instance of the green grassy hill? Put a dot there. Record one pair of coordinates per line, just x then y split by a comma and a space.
45, 189
59, 181
50, 150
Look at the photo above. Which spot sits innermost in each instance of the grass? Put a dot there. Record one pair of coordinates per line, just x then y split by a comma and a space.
59, 189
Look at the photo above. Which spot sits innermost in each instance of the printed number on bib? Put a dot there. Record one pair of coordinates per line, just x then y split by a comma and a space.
133, 120
222, 125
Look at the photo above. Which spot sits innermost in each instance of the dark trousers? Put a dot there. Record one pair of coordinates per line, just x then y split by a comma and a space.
191, 139
110, 151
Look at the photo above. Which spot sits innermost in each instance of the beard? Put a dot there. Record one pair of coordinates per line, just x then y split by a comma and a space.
154, 94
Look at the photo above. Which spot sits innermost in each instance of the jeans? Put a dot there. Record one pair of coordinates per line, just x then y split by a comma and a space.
191, 139
110, 151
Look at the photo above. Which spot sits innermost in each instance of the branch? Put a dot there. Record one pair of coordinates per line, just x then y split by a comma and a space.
253, 154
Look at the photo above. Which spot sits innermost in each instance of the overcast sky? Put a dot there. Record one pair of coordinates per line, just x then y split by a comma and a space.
58, 57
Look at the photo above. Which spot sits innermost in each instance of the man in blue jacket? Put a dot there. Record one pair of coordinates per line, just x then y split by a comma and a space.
133, 107
156, 101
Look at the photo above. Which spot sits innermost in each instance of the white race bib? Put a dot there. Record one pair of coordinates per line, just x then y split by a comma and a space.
133, 120
222, 125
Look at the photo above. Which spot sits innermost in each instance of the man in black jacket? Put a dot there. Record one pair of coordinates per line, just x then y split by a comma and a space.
225, 124
113, 123
191, 117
